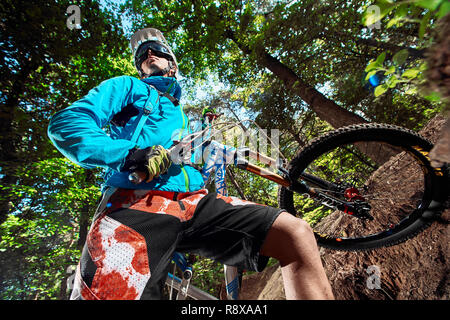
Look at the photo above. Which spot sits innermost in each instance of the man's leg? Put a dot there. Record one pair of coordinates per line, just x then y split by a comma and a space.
291, 241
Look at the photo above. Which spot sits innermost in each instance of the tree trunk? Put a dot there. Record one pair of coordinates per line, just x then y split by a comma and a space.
230, 174
326, 109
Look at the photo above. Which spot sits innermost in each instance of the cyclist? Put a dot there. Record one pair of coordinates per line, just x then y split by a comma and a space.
137, 227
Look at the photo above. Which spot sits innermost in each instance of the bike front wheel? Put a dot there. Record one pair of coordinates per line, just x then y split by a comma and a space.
382, 172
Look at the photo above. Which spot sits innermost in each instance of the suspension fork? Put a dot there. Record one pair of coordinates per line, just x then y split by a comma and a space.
186, 269
218, 157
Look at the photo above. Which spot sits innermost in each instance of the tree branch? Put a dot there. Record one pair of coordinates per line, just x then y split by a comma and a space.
230, 174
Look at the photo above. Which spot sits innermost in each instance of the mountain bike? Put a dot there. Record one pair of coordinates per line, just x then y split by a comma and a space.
360, 187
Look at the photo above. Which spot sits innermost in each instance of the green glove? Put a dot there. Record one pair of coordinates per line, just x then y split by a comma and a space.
158, 162
153, 161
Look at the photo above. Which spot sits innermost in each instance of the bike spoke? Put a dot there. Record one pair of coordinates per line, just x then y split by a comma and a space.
372, 184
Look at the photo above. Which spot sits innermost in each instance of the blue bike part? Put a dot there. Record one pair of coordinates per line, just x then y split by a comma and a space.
180, 261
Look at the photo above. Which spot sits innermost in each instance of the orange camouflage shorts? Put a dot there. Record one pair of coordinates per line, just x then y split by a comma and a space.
132, 240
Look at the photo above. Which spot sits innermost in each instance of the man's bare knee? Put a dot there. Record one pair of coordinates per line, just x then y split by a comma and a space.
288, 238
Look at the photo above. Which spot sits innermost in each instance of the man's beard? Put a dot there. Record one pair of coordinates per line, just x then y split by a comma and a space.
154, 70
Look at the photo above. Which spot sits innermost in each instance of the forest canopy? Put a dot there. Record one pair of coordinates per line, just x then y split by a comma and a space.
302, 67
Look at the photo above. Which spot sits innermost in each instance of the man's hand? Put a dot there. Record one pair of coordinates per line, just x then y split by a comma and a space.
153, 161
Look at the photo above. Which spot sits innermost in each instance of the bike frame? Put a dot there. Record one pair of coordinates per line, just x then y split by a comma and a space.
216, 157
216, 161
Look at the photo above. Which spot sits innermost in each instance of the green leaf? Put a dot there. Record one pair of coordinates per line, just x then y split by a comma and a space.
423, 66
400, 57
410, 73
380, 59
371, 73
433, 97
402, 10
424, 22
391, 82
393, 21
380, 90
444, 9
391, 70
411, 91
371, 66
428, 4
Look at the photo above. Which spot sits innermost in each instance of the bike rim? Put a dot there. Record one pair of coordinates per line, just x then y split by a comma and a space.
383, 183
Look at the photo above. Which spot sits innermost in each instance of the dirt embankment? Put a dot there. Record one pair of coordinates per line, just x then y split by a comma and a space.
416, 269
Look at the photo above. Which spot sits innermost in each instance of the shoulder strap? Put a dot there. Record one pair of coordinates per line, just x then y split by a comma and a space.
152, 102
171, 98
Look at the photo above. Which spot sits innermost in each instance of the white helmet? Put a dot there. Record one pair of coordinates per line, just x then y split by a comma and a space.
151, 38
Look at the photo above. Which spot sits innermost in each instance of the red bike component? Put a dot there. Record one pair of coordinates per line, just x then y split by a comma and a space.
211, 116
352, 194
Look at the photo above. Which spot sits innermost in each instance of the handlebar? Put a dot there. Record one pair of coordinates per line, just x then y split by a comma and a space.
137, 177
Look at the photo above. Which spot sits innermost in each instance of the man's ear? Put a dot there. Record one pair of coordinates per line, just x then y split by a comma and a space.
173, 69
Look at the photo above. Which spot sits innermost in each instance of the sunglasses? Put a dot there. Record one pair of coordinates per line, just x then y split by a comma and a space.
157, 49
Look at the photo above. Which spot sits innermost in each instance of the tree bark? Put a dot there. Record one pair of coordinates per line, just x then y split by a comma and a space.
326, 109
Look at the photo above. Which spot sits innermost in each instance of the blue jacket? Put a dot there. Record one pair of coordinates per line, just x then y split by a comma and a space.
78, 131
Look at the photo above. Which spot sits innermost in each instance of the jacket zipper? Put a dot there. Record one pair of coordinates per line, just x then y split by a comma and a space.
186, 177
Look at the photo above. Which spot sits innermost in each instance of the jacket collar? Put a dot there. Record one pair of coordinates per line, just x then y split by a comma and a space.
165, 85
